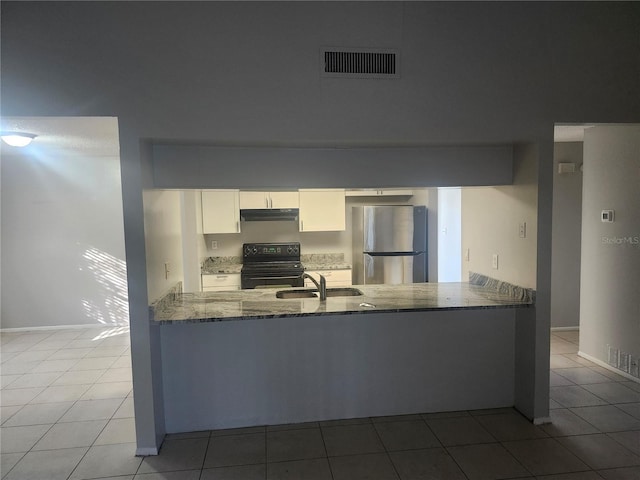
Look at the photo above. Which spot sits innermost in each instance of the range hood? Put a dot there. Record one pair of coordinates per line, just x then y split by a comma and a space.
269, 214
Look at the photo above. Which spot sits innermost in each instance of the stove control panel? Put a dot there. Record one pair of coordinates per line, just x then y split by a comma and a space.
266, 251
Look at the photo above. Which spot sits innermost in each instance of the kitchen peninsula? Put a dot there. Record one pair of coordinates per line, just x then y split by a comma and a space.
245, 358
177, 307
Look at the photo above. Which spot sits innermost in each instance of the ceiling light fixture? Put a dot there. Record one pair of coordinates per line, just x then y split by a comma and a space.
17, 139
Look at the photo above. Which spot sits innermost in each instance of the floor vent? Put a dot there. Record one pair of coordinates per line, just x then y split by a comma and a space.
359, 63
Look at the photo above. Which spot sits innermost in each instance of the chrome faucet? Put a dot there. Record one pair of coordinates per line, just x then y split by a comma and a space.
322, 286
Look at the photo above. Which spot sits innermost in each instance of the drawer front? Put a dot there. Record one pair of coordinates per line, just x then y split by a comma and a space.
226, 280
335, 278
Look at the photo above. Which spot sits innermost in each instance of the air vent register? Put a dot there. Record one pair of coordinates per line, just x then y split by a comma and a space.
359, 63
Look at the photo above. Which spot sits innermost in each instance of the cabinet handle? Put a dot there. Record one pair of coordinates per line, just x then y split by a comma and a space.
271, 203
237, 226
302, 225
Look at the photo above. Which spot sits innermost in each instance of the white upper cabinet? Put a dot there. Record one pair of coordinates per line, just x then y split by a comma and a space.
322, 210
261, 200
220, 211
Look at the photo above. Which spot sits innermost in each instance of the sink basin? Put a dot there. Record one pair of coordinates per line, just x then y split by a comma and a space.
331, 292
297, 294
343, 292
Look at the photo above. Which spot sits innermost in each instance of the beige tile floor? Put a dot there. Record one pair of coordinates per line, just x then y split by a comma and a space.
67, 413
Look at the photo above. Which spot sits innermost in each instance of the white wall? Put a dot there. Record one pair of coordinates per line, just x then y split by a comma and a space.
567, 224
610, 274
450, 235
163, 240
63, 258
490, 225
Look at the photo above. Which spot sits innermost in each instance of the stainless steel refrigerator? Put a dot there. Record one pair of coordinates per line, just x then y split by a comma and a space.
389, 244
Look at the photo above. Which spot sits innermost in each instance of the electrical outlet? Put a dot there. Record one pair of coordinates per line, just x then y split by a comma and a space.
522, 231
214, 244
494, 261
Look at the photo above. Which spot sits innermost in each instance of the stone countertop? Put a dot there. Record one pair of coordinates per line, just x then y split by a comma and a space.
324, 261
262, 303
326, 266
218, 265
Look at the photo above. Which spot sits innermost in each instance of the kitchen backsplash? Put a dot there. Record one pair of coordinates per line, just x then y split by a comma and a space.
233, 264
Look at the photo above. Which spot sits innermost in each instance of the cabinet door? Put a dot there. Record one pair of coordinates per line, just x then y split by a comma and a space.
220, 212
283, 200
254, 200
322, 210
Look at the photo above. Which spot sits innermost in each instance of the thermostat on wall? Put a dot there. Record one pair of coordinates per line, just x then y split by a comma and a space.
607, 215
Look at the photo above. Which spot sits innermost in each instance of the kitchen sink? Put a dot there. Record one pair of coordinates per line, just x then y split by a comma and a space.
313, 293
343, 292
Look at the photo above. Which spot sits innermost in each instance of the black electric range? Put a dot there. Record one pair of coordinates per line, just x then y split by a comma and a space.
271, 265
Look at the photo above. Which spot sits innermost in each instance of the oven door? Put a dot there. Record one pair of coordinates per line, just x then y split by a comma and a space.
257, 280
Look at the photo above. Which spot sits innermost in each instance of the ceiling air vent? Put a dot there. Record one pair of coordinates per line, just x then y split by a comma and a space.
359, 63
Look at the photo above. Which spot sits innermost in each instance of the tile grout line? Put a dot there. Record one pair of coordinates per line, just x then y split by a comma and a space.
324, 444
386, 450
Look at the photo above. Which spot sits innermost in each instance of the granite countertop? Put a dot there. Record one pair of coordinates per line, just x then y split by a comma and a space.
324, 261
326, 266
262, 303
217, 265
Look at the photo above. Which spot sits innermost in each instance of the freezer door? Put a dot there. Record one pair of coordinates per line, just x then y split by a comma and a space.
392, 269
388, 228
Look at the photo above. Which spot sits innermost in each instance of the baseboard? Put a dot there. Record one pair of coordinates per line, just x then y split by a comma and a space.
58, 327
541, 420
146, 452
608, 367
564, 329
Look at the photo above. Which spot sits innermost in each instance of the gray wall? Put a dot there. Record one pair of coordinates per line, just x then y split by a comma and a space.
63, 255
610, 275
285, 370
247, 73
567, 225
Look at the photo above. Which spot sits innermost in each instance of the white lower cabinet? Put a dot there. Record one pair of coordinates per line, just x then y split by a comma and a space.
220, 282
335, 278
